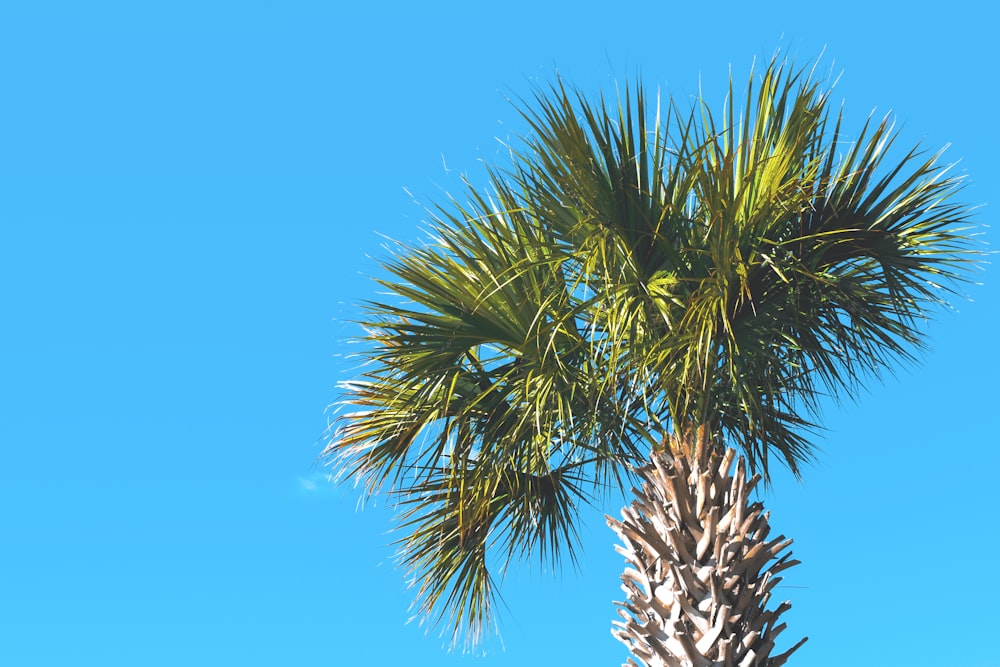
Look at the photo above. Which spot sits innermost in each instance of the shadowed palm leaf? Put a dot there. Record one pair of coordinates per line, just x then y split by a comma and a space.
707, 278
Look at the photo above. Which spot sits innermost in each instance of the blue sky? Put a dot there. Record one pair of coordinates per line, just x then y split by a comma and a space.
191, 198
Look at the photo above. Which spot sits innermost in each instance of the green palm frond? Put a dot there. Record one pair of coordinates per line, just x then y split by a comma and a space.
454, 520
636, 271
482, 388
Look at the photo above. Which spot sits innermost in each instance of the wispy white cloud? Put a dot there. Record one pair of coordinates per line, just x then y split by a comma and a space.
316, 481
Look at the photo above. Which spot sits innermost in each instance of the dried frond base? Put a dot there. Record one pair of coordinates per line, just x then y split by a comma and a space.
700, 568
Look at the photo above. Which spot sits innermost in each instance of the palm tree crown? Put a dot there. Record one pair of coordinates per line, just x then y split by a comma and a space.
634, 272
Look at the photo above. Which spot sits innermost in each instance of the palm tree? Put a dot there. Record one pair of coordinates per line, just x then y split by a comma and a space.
642, 291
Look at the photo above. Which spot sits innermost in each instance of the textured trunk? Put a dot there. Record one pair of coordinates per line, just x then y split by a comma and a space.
700, 567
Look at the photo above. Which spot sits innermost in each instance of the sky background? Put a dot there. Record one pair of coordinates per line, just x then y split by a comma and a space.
191, 198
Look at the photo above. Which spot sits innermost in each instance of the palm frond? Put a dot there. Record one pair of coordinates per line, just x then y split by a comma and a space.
454, 520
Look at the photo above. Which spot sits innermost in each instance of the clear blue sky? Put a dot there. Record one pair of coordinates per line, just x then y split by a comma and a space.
191, 197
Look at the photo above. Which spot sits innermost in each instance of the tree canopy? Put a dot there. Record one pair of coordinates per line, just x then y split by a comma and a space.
636, 270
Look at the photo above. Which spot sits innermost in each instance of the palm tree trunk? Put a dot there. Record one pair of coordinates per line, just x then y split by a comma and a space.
700, 567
